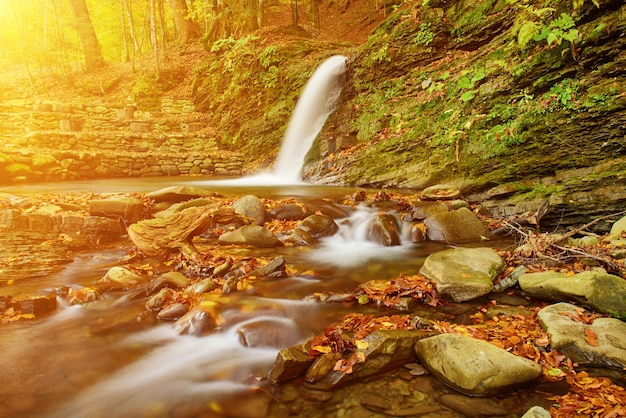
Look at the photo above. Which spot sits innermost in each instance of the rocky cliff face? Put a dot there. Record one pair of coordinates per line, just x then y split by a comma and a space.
514, 103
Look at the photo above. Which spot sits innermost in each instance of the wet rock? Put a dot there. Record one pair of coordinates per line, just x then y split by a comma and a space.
510, 280
384, 230
298, 237
196, 322
269, 332
597, 289
618, 228
202, 286
179, 194
600, 344
441, 192
254, 235
417, 233
130, 209
321, 206
173, 279
381, 350
318, 226
33, 305
463, 273
275, 268
291, 363
159, 300
290, 212
455, 227
422, 210
474, 367
536, 412
120, 278
173, 312
251, 207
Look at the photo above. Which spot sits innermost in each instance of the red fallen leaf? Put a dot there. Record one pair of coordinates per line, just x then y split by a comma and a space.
591, 337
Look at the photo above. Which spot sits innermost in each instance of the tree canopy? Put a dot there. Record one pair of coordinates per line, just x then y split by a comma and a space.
59, 37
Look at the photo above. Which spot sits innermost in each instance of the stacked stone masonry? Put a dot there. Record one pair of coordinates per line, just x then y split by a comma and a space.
46, 141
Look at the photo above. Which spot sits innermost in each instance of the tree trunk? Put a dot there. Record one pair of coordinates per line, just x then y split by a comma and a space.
153, 36
295, 16
87, 36
220, 22
314, 13
251, 12
185, 27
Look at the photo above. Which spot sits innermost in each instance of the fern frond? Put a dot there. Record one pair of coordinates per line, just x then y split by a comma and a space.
526, 33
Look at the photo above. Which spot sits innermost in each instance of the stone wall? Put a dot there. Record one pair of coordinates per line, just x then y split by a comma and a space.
57, 141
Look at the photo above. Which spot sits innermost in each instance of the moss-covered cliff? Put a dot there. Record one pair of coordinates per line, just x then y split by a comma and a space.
513, 101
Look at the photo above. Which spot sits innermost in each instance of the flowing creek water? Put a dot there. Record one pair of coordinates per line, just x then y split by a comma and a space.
93, 360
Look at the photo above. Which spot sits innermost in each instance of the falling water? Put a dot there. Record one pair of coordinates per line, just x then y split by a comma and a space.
318, 100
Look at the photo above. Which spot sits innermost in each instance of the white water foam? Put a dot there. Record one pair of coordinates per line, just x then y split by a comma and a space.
350, 246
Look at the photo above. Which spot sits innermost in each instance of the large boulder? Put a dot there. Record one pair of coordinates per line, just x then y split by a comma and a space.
254, 235
597, 289
251, 207
455, 227
474, 367
600, 344
463, 273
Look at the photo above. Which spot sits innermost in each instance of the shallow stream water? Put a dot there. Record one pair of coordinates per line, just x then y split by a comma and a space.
95, 360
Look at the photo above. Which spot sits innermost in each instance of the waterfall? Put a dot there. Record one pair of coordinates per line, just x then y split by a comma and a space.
318, 100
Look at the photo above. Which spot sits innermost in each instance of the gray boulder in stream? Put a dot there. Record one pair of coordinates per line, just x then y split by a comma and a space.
597, 289
600, 344
463, 274
474, 367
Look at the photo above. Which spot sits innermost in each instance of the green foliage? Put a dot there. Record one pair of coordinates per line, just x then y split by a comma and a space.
565, 93
552, 32
424, 35
468, 83
379, 56
560, 29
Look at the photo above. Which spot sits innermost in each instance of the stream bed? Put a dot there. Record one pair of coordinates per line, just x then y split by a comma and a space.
96, 360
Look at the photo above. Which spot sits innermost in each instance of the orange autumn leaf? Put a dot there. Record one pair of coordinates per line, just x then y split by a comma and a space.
591, 337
